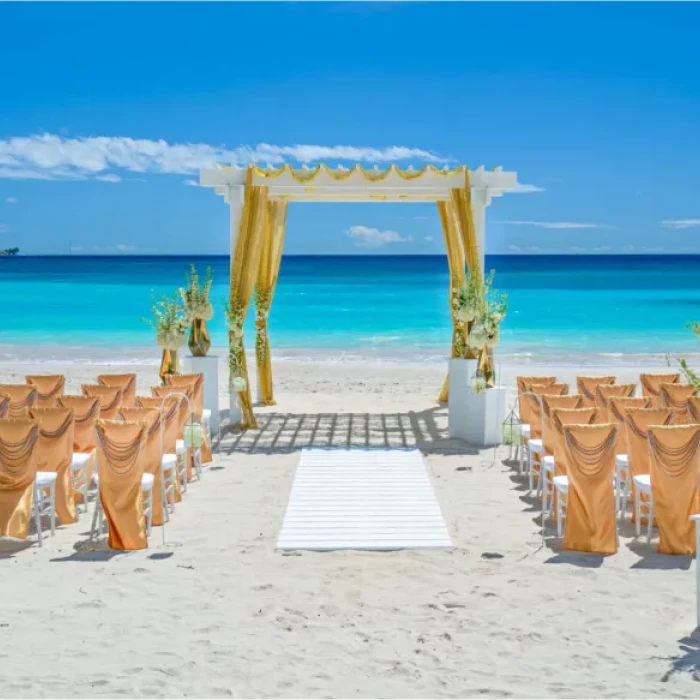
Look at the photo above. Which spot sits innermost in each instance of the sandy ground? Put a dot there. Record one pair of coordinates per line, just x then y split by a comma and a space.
212, 610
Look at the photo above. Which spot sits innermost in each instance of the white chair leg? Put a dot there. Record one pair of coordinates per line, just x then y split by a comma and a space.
650, 523
37, 515
637, 512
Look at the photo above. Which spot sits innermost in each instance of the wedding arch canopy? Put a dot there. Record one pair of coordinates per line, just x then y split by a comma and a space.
258, 199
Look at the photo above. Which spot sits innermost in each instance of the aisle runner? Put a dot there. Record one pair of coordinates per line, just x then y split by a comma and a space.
372, 499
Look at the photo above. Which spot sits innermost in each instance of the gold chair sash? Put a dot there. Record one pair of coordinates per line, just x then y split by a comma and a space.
651, 385
119, 448
675, 460
617, 410
125, 382
590, 502
151, 454
675, 397
22, 398
535, 409
603, 394
693, 405
18, 438
561, 418
4, 405
110, 399
48, 387
524, 384
587, 387
54, 453
195, 383
549, 404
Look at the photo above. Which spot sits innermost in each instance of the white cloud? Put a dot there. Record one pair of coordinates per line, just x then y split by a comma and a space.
52, 157
12, 200
554, 224
429, 238
191, 183
366, 237
109, 178
681, 223
527, 189
4, 228
118, 249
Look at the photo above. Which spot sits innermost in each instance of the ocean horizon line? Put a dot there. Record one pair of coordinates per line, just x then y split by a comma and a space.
351, 255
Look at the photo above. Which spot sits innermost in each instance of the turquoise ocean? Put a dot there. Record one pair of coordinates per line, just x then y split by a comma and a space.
397, 305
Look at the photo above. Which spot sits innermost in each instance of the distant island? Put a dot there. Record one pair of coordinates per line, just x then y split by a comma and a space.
8, 252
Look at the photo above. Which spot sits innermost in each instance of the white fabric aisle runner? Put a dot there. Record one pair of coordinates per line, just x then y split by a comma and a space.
372, 499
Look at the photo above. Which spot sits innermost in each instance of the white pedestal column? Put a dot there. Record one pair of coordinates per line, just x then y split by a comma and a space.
235, 412
460, 377
209, 367
486, 412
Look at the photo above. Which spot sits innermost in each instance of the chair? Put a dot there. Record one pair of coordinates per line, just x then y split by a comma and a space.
152, 459
587, 386
48, 387
120, 476
550, 403
184, 415
4, 405
651, 385
693, 405
110, 399
675, 396
589, 516
18, 498
22, 398
54, 454
535, 444
617, 410
603, 394
637, 423
675, 463
524, 384
169, 412
125, 382
86, 411
561, 418
195, 384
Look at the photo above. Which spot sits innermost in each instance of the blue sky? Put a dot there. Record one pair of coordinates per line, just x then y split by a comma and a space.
108, 110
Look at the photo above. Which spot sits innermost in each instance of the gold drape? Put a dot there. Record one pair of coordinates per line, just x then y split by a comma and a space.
18, 439
651, 385
110, 399
194, 383
22, 398
125, 382
590, 501
675, 397
603, 394
587, 386
244, 271
48, 388
270, 259
455, 261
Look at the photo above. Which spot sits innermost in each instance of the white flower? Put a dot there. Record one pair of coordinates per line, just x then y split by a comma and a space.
237, 332
239, 384
465, 315
201, 309
493, 339
478, 337
171, 340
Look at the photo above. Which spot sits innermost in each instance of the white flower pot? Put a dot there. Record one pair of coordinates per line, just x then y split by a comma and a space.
209, 367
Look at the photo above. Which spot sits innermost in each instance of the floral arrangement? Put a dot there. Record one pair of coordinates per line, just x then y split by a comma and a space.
169, 323
195, 300
236, 356
262, 305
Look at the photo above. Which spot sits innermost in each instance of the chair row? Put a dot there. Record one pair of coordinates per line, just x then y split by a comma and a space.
65, 465
641, 447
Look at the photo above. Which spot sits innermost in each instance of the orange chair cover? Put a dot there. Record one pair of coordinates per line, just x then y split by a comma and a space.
675, 460
22, 398
651, 385
549, 404
603, 394
617, 410
18, 440
587, 387
86, 410
535, 408
151, 454
195, 383
110, 399
637, 423
524, 384
120, 449
48, 387
590, 502
675, 397
693, 405
170, 412
54, 453
184, 415
4, 405
125, 382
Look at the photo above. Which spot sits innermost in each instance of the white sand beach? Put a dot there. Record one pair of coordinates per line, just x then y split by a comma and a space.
212, 610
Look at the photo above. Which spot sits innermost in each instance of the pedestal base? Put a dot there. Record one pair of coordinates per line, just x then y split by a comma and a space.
209, 367
485, 415
461, 373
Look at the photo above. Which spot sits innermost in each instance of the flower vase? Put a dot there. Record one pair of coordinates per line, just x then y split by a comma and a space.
199, 342
168, 365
